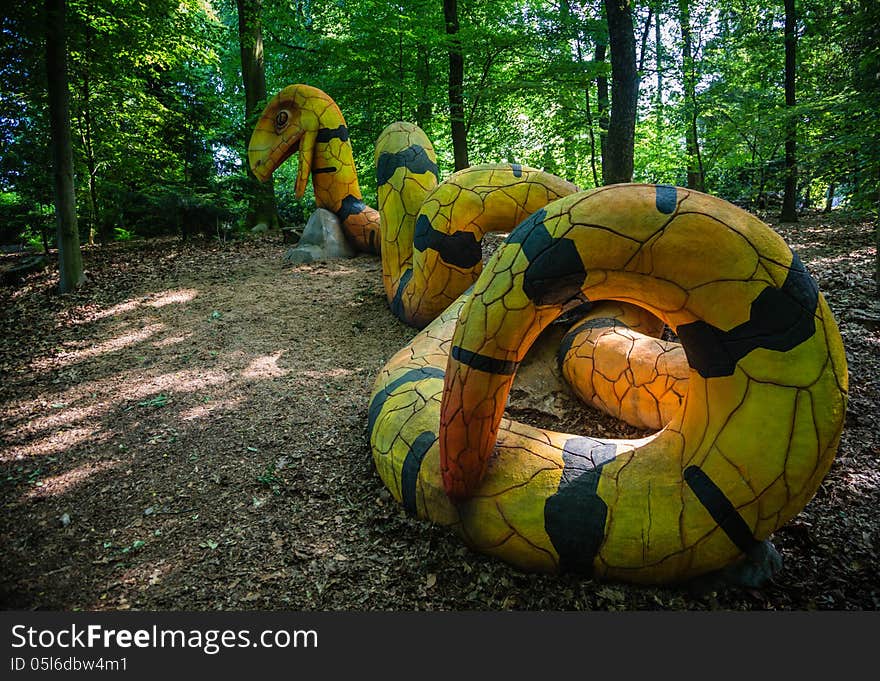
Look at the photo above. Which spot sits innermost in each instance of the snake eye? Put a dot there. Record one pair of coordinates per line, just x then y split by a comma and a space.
281, 119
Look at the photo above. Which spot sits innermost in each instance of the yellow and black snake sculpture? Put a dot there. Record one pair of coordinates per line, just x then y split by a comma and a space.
749, 406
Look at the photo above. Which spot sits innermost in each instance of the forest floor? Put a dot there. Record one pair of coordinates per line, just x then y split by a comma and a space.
187, 432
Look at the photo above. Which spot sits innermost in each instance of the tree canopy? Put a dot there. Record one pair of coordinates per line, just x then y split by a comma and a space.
157, 103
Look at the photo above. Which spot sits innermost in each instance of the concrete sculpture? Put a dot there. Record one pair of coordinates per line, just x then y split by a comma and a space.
749, 406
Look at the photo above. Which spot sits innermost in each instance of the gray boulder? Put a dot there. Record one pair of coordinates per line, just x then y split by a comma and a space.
322, 239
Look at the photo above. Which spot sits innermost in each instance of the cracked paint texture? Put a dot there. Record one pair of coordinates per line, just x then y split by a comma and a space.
304, 119
749, 407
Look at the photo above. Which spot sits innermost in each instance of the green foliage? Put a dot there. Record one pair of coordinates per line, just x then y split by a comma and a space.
159, 401
270, 479
662, 158
158, 108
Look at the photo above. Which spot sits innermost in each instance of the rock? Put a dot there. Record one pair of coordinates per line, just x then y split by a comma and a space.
757, 568
260, 228
322, 239
302, 254
753, 571
64, 519
538, 384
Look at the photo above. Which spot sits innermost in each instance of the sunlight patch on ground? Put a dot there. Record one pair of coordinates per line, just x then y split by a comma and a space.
863, 254
265, 367
112, 392
865, 482
62, 415
114, 344
161, 299
146, 574
171, 340
184, 381
55, 443
208, 408
183, 295
323, 270
113, 311
329, 373
64, 482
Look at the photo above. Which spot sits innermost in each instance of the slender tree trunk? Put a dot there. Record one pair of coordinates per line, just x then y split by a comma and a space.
70, 266
423, 76
92, 166
658, 98
789, 207
456, 85
565, 42
762, 197
643, 50
589, 113
643, 53
261, 205
806, 192
86, 131
658, 40
618, 166
44, 232
95, 226
401, 71
593, 169
41, 223
602, 104
829, 197
692, 139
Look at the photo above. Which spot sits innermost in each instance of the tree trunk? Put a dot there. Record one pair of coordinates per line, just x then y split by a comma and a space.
806, 192
96, 226
261, 204
658, 98
70, 266
92, 165
643, 54
829, 197
658, 40
643, 51
456, 85
423, 76
789, 207
44, 231
602, 105
589, 112
692, 140
618, 166
85, 121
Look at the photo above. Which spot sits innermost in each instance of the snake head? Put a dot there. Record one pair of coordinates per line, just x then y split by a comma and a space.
289, 123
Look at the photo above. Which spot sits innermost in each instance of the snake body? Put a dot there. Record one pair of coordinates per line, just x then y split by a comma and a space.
750, 404
304, 119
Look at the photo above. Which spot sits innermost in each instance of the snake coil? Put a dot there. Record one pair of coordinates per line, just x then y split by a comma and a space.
749, 407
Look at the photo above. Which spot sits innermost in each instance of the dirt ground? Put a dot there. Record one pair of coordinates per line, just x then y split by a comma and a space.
187, 432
